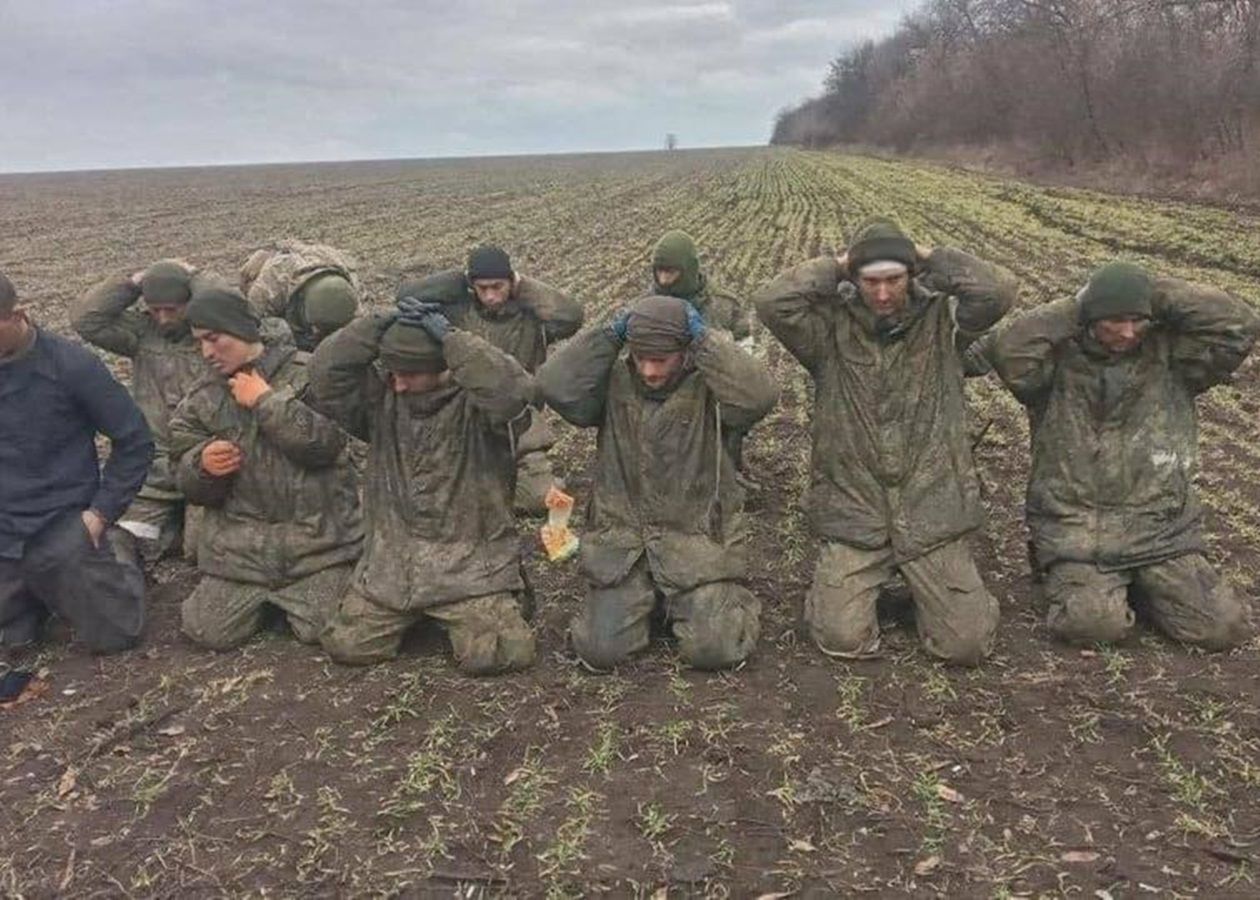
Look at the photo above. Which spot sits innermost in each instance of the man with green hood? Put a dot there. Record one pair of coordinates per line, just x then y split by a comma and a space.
523, 317
313, 287
1109, 378
665, 528
435, 405
282, 525
165, 364
676, 273
881, 331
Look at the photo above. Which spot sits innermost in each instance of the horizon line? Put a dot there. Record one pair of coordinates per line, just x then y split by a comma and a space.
162, 167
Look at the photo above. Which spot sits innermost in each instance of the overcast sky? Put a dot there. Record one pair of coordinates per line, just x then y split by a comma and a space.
107, 83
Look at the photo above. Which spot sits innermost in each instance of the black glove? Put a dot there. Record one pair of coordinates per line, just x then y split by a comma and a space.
411, 310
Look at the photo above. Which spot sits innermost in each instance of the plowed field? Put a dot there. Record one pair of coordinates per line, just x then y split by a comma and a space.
1119, 771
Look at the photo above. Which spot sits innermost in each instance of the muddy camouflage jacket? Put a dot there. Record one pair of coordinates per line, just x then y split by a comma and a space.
293, 508
891, 457
1115, 438
163, 369
535, 317
440, 474
272, 278
663, 484
719, 309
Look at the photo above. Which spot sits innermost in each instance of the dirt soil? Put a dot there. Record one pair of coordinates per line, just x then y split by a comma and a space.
1050, 771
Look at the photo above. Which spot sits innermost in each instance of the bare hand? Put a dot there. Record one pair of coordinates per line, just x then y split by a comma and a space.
136, 278
922, 252
842, 261
248, 388
219, 458
95, 524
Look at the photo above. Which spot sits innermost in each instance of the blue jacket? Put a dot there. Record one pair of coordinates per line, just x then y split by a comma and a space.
54, 400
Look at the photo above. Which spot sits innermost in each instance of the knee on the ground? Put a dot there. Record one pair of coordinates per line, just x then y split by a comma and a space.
500, 651
205, 631
1097, 623
833, 636
966, 649
344, 646
112, 639
722, 637
1224, 631
603, 652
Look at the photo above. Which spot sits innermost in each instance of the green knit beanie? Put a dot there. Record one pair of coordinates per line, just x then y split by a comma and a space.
676, 250
657, 325
1115, 291
166, 283
329, 301
224, 310
880, 240
409, 348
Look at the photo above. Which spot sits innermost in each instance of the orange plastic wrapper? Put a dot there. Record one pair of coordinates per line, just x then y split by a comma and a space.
557, 539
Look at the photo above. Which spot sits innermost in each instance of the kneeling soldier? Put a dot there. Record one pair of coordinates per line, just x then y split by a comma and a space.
436, 406
282, 520
666, 521
1110, 379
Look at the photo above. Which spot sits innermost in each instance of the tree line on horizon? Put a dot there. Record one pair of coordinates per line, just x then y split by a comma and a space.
1068, 81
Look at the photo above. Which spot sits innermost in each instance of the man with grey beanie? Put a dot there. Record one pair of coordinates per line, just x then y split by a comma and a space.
666, 528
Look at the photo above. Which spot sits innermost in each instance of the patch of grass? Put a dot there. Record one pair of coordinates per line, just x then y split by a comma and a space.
1185, 785
927, 790
851, 688
527, 790
654, 823
937, 686
1116, 663
568, 849
603, 753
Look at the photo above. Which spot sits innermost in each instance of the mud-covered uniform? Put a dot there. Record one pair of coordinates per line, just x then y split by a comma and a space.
441, 539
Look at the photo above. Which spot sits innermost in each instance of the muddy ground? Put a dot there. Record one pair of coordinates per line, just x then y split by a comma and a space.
1051, 771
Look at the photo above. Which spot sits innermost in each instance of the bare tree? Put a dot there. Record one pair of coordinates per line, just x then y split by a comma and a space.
671, 141
1172, 81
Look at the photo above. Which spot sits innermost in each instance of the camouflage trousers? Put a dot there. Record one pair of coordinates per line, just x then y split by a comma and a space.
222, 614
717, 624
156, 525
95, 589
955, 614
1187, 600
488, 634
534, 477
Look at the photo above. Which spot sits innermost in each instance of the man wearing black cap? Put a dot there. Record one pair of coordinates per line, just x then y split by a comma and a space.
881, 330
57, 550
435, 405
1109, 378
523, 317
164, 365
666, 526
282, 525
313, 287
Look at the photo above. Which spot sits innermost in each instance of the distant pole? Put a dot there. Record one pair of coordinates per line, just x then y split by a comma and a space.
671, 141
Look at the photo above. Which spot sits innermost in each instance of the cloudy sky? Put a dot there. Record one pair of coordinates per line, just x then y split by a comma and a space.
88, 84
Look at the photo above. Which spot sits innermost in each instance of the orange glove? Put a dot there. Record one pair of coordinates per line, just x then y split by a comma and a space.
248, 387
219, 458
